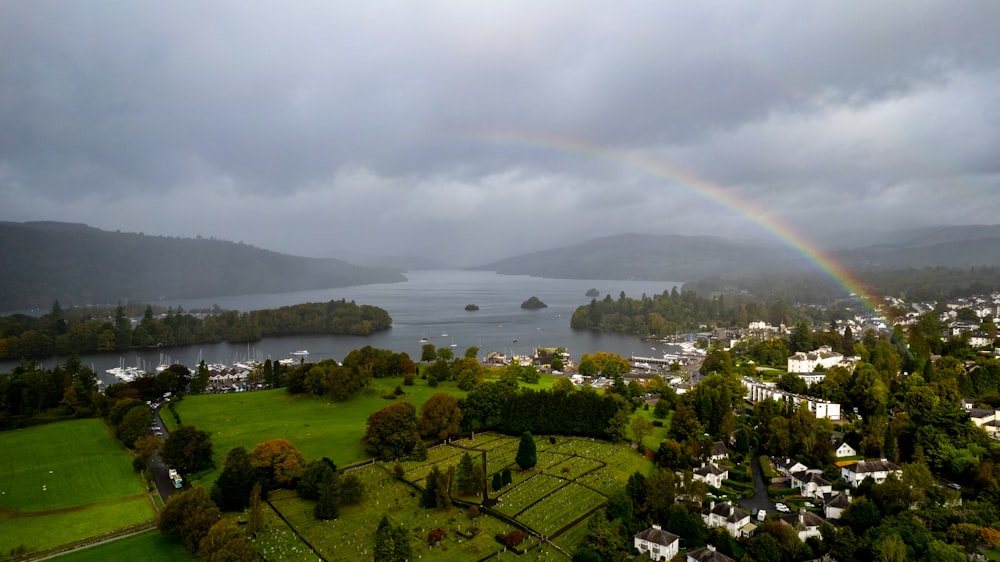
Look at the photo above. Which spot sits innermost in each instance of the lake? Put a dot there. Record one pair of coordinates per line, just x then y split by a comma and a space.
431, 305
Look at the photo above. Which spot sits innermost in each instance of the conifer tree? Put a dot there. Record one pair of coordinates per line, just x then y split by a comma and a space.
526, 453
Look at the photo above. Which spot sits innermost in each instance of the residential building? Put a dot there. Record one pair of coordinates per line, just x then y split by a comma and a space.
758, 391
711, 474
825, 357
877, 470
707, 554
718, 452
806, 524
734, 519
788, 466
842, 449
811, 484
660, 544
835, 503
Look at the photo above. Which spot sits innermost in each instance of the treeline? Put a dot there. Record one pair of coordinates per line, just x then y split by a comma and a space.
57, 333
504, 408
29, 395
673, 312
927, 284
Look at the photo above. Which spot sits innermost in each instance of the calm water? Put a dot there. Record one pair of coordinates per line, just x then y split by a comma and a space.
430, 304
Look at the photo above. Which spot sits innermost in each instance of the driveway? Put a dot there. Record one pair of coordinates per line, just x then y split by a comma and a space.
161, 474
759, 500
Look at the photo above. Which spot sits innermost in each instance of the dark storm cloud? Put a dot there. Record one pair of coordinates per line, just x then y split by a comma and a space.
380, 117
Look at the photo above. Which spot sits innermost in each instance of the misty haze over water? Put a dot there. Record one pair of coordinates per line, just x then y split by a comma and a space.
431, 304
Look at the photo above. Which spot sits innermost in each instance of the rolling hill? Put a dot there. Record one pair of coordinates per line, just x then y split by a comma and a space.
78, 264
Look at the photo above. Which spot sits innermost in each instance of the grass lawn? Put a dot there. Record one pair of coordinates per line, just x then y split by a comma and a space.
64, 482
43, 532
62, 465
150, 546
319, 427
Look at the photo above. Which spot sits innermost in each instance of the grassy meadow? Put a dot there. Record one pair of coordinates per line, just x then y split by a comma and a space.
149, 546
319, 427
66, 481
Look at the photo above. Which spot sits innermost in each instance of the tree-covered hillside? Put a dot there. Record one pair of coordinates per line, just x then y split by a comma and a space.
77, 264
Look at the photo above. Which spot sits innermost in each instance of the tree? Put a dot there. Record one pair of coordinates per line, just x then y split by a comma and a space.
231, 491
255, 511
392, 543
328, 506
563, 385
133, 425
188, 516
526, 452
465, 484
315, 473
279, 461
497, 482
352, 489
641, 427
188, 449
226, 542
147, 446
440, 417
437, 489
427, 353
392, 432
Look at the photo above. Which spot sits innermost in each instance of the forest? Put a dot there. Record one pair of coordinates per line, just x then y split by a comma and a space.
64, 334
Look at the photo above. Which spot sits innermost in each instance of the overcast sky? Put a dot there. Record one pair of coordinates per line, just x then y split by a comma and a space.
473, 131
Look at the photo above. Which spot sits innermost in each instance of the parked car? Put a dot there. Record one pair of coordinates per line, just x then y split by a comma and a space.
761, 515
781, 507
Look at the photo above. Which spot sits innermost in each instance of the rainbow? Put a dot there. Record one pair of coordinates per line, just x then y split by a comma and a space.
703, 187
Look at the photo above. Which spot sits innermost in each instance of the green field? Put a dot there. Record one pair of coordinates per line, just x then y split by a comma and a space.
319, 427
64, 482
149, 546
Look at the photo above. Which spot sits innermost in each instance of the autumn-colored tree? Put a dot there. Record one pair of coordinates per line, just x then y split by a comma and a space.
188, 516
280, 462
607, 362
440, 417
990, 536
147, 446
392, 431
226, 541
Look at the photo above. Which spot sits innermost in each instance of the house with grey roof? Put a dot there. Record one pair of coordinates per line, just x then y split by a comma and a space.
707, 554
660, 544
877, 470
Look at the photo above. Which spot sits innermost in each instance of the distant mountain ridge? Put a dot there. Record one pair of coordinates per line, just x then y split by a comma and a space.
79, 264
687, 258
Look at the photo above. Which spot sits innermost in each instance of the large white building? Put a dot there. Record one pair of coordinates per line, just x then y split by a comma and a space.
825, 357
758, 391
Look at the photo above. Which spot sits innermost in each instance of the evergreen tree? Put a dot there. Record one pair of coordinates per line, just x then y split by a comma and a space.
428, 498
231, 491
497, 482
464, 483
506, 477
352, 490
526, 453
328, 506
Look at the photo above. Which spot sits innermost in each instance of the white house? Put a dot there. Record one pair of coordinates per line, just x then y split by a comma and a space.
660, 544
733, 518
806, 524
842, 449
878, 470
810, 484
707, 554
788, 466
758, 391
835, 503
719, 452
711, 474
